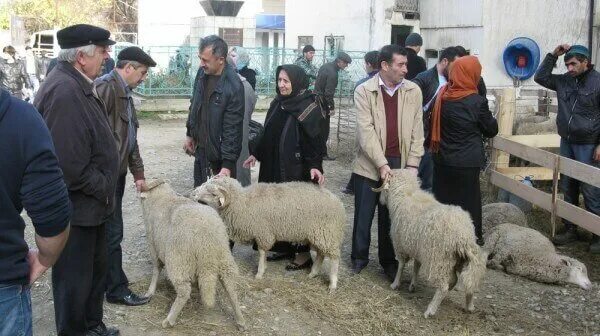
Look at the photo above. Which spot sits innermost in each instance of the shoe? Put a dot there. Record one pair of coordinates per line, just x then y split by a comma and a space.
595, 245
130, 299
293, 266
328, 158
347, 191
102, 330
564, 238
390, 272
358, 267
280, 256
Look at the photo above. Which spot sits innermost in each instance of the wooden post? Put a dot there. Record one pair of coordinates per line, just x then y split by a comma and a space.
554, 193
506, 114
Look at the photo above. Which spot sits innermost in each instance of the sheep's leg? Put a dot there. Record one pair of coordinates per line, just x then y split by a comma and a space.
316, 267
183, 290
440, 294
154, 281
262, 263
208, 288
402, 260
469, 302
413, 281
333, 273
229, 286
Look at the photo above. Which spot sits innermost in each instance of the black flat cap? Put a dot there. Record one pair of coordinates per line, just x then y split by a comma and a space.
80, 35
342, 56
136, 54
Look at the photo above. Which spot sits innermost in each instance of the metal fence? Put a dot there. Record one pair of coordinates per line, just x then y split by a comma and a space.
177, 67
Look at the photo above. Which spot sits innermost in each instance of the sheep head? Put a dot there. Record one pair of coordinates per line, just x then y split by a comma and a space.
577, 272
216, 192
400, 181
151, 184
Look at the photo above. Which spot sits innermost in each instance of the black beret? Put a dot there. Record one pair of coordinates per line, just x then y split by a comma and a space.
342, 56
308, 48
136, 54
80, 35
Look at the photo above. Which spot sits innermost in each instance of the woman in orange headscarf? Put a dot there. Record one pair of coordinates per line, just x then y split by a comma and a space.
459, 121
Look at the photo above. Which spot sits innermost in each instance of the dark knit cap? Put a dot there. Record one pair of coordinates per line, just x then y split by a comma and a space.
308, 48
342, 56
136, 54
413, 40
80, 35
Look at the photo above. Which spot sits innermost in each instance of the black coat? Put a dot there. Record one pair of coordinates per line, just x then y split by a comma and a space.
416, 64
287, 152
250, 76
225, 117
327, 80
85, 146
578, 118
463, 125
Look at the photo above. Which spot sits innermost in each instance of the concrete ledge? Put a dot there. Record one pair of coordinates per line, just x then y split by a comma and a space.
165, 104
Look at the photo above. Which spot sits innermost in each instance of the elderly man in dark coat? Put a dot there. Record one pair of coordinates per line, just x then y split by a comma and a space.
88, 157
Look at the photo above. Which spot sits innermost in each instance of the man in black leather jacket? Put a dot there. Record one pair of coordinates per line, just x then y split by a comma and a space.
578, 122
215, 122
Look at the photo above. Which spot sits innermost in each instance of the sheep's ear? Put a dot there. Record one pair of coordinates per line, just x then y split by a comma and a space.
223, 196
565, 261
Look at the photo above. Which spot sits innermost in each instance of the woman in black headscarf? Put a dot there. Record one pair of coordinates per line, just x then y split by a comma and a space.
289, 148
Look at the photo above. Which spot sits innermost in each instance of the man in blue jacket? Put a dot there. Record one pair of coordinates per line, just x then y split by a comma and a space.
578, 123
30, 178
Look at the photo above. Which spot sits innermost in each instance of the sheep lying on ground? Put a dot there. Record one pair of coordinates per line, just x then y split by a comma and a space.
440, 238
494, 214
295, 212
528, 253
190, 240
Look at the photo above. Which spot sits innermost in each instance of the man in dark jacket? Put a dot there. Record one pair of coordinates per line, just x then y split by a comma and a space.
115, 90
430, 82
88, 157
578, 123
30, 178
416, 64
215, 122
327, 80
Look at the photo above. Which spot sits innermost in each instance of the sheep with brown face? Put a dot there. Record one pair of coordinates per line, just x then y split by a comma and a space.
526, 252
439, 238
295, 212
190, 241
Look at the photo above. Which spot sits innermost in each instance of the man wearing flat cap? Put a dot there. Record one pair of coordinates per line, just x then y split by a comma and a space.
305, 62
327, 80
88, 157
578, 123
115, 90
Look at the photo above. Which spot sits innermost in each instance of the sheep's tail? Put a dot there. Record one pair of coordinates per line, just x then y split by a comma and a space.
474, 268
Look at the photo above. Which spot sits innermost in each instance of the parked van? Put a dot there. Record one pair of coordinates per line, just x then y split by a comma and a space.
44, 42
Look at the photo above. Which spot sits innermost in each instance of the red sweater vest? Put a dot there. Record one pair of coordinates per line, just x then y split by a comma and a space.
391, 121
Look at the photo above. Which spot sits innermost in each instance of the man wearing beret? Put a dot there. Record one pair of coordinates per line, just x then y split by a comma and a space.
88, 157
115, 90
305, 62
578, 123
327, 80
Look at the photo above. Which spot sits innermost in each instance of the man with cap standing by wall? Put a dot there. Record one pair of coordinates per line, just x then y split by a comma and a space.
578, 123
88, 157
305, 62
115, 90
416, 64
327, 80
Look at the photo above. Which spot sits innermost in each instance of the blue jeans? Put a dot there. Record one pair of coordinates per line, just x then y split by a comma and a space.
571, 187
15, 310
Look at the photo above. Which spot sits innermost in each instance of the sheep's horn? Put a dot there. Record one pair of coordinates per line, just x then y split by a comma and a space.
384, 186
152, 184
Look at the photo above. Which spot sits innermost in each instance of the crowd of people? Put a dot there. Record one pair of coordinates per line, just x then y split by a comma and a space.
69, 153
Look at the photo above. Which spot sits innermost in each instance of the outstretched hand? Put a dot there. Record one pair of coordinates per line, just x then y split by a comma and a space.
317, 176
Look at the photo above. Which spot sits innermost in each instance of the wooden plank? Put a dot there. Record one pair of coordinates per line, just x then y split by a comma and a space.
540, 157
536, 173
553, 213
535, 196
538, 141
506, 114
580, 171
578, 216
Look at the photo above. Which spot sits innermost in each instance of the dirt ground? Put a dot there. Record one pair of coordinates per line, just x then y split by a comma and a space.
288, 303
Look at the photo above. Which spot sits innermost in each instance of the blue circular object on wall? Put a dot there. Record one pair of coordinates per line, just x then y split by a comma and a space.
521, 58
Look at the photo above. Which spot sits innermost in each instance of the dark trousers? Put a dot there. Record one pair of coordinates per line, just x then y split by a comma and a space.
325, 132
571, 187
350, 185
365, 202
78, 281
201, 167
426, 171
459, 186
116, 280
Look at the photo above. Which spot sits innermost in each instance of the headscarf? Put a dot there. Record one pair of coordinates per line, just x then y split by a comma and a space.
243, 58
464, 75
300, 103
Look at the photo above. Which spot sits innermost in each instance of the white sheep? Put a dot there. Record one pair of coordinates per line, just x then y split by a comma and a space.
190, 241
526, 252
440, 238
295, 212
494, 214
